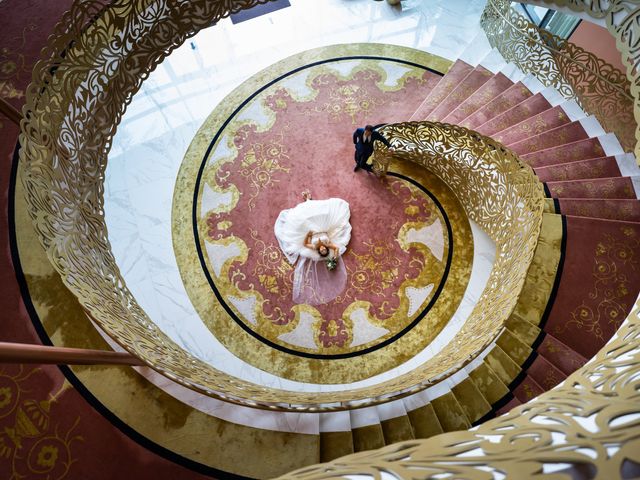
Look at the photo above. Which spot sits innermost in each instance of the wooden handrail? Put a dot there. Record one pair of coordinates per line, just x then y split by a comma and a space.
10, 111
27, 353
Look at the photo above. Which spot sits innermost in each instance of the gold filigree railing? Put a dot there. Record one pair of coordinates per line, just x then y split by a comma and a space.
95, 63
66, 133
587, 427
599, 88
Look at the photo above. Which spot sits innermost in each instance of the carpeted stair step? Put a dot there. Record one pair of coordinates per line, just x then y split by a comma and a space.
627, 210
511, 404
488, 383
533, 105
396, 426
559, 355
471, 399
424, 421
540, 280
451, 415
535, 125
517, 350
527, 389
523, 330
471, 83
593, 168
613, 187
458, 71
503, 365
515, 94
496, 85
545, 373
366, 429
599, 283
571, 132
336, 439
603, 146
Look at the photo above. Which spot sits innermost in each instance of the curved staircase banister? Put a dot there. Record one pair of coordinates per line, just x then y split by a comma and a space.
73, 231
589, 423
601, 89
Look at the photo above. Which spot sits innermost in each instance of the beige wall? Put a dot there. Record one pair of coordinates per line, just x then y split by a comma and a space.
598, 40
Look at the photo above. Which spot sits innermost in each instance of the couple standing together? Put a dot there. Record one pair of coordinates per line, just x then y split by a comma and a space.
314, 234
363, 139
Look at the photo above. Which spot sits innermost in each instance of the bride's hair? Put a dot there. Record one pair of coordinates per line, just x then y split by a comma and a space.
326, 250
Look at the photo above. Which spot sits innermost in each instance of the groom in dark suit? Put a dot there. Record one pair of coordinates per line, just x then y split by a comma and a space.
363, 139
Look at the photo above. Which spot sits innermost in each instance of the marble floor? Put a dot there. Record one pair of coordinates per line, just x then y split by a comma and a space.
174, 101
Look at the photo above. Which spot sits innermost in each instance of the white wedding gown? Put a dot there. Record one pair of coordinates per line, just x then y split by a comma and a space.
313, 283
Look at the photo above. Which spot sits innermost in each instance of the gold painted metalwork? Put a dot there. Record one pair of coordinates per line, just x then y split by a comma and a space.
136, 401
623, 22
587, 424
94, 64
601, 89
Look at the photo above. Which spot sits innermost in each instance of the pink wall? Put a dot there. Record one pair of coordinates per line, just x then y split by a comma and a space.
597, 40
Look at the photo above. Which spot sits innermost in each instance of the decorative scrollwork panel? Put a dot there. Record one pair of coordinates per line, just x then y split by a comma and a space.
587, 427
599, 88
79, 93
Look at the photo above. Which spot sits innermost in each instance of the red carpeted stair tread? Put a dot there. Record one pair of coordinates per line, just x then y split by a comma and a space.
525, 109
613, 187
627, 210
534, 125
527, 389
599, 284
559, 355
458, 71
545, 373
487, 92
593, 168
571, 132
511, 97
570, 152
513, 403
472, 82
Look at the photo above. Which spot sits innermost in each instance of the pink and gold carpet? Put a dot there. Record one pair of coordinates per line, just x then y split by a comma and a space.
289, 129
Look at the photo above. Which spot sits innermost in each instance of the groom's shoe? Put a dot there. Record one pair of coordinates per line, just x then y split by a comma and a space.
356, 168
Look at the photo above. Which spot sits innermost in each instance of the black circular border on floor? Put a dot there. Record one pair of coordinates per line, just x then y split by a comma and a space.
220, 298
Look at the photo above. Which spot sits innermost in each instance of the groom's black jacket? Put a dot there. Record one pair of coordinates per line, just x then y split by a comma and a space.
365, 149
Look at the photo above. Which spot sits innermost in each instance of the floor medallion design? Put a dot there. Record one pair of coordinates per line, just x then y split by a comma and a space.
286, 130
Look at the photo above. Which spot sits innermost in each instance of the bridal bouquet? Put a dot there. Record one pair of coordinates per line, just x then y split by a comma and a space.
332, 263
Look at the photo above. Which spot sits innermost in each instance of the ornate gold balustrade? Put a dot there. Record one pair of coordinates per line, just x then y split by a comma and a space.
599, 88
95, 63
587, 427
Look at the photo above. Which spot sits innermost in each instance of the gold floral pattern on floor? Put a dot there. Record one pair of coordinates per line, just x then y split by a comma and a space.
606, 303
264, 145
33, 445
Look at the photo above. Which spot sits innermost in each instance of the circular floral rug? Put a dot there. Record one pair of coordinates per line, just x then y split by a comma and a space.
289, 129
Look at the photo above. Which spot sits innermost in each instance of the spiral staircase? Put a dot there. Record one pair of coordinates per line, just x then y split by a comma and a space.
587, 249
591, 186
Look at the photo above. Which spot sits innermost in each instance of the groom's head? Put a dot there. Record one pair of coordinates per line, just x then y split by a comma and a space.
368, 128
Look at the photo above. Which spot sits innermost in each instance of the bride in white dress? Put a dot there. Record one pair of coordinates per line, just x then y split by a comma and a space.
315, 234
